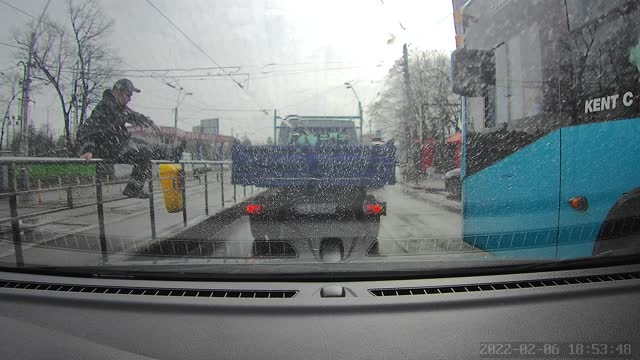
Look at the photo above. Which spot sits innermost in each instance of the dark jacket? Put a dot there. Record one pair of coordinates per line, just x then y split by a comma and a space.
104, 133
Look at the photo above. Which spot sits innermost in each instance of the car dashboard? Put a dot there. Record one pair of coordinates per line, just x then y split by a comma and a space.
429, 318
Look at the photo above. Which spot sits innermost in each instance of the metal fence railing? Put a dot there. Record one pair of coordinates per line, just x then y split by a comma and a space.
202, 174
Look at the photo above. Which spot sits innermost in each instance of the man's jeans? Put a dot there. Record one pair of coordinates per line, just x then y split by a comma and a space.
139, 153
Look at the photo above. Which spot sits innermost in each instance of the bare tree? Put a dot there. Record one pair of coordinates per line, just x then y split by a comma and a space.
430, 112
432, 102
75, 63
52, 59
94, 60
387, 111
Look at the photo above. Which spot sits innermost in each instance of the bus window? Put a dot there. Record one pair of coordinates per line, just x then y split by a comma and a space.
606, 78
519, 77
525, 73
581, 12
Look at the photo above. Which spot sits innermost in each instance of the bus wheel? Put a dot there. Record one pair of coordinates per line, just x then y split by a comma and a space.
620, 231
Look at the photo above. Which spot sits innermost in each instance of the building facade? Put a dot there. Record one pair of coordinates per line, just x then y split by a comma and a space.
202, 146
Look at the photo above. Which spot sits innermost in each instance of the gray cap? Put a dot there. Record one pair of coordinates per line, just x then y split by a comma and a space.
125, 84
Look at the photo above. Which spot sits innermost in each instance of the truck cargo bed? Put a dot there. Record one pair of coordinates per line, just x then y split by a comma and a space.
294, 165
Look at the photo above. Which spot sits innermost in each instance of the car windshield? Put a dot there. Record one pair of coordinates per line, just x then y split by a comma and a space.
318, 132
366, 137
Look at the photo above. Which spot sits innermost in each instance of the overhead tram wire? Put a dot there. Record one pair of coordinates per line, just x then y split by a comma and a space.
157, 77
177, 28
17, 9
64, 33
163, 77
13, 46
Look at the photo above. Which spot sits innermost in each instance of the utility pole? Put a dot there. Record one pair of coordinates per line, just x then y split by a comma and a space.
175, 110
175, 120
350, 86
405, 69
370, 124
275, 125
26, 88
48, 122
362, 120
410, 152
75, 103
7, 121
24, 107
407, 88
13, 131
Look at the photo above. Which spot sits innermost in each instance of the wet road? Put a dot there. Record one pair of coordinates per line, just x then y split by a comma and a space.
414, 225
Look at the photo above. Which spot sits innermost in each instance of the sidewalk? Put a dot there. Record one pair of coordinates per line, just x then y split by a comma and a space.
431, 183
126, 221
47, 199
431, 188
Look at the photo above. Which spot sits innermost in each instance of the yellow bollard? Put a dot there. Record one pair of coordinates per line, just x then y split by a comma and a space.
60, 189
170, 184
39, 191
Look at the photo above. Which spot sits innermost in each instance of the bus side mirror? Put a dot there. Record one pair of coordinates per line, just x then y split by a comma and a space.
473, 72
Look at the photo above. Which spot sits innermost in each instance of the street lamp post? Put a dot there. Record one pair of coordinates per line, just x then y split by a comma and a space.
349, 86
178, 102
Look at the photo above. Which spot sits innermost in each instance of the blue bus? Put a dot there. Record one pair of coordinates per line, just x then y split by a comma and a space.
551, 126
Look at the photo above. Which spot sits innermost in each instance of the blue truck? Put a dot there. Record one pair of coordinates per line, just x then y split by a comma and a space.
317, 168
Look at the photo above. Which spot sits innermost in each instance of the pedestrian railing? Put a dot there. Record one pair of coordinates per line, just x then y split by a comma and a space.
205, 168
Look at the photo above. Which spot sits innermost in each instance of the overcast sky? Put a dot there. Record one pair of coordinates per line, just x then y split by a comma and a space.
290, 55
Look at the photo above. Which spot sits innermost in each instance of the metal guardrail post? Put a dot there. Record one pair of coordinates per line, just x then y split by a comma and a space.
183, 187
152, 210
22, 181
78, 186
244, 191
25, 178
206, 191
222, 183
101, 230
15, 223
39, 196
69, 193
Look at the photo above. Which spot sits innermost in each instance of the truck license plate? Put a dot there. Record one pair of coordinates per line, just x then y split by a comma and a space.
316, 209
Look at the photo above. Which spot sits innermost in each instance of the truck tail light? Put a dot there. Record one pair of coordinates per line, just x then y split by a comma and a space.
254, 209
374, 209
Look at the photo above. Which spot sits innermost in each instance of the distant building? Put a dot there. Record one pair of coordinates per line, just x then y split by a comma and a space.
196, 129
209, 126
202, 145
